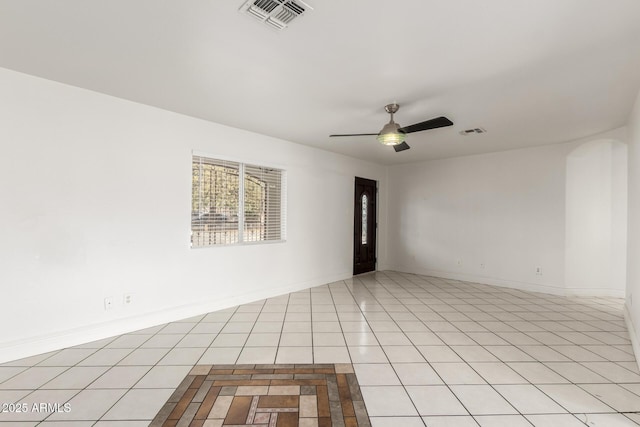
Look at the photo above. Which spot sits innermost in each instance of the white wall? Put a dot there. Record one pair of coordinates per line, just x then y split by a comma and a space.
633, 233
491, 218
95, 202
596, 219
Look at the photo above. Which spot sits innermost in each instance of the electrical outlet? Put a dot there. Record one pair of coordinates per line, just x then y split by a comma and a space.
539, 271
127, 299
459, 261
108, 303
482, 265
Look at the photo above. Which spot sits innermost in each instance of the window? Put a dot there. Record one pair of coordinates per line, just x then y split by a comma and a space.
365, 206
236, 203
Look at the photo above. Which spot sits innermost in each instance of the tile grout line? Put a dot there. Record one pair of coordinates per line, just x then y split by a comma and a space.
387, 356
585, 316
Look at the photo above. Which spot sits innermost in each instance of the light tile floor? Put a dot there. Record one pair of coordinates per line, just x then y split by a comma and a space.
427, 352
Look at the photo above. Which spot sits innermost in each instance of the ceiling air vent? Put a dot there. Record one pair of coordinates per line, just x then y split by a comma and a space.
474, 130
277, 14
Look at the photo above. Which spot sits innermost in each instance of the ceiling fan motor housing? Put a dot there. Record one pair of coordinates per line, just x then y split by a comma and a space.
391, 108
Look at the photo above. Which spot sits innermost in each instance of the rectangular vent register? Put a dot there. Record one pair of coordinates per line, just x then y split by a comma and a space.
277, 14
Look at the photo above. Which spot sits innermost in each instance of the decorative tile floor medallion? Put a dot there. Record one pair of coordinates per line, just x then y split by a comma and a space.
266, 395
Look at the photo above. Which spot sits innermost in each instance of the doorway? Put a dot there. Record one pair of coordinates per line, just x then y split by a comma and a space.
364, 226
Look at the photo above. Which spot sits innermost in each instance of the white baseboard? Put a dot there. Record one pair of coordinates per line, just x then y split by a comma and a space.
514, 284
383, 267
597, 292
632, 334
14, 350
523, 286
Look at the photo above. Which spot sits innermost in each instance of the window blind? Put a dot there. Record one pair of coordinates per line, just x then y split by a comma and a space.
263, 200
215, 202
234, 203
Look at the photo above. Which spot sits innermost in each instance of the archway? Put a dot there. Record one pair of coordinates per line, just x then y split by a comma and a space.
596, 219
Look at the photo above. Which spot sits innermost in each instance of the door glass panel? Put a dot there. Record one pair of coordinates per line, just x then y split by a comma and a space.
365, 206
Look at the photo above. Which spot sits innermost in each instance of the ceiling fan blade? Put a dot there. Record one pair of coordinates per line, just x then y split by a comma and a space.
438, 122
401, 147
354, 134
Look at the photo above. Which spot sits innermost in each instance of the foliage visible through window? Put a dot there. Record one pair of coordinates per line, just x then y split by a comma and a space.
234, 203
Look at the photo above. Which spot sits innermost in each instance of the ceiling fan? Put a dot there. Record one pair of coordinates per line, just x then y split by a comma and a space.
394, 135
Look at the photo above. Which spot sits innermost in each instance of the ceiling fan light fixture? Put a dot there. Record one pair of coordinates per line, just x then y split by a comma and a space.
393, 135
389, 135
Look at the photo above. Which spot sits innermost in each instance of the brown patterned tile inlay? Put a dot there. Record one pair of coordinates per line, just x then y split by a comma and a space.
266, 396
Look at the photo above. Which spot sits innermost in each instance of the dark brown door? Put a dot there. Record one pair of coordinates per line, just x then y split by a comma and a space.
364, 226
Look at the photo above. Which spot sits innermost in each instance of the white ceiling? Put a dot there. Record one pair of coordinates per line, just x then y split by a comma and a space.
530, 72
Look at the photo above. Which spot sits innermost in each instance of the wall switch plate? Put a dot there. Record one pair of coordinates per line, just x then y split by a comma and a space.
108, 303
482, 265
539, 271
